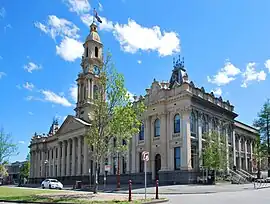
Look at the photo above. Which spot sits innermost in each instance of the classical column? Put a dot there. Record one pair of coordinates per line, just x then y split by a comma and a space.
251, 155
68, 158
92, 89
79, 155
85, 157
42, 164
246, 159
234, 147
227, 148
89, 88
59, 159
200, 140
63, 162
78, 93
186, 147
134, 153
49, 173
73, 169
163, 142
240, 153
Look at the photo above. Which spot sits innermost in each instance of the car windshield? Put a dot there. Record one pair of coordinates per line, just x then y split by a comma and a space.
54, 181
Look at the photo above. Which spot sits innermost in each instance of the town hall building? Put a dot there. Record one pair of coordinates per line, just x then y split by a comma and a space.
177, 116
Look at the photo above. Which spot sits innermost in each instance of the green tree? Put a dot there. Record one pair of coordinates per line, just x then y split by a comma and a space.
263, 124
25, 168
113, 115
7, 149
214, 153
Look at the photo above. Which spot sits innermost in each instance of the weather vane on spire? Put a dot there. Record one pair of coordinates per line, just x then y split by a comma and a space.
96, 16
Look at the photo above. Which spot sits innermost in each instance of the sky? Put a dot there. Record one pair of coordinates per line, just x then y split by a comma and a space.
225, 45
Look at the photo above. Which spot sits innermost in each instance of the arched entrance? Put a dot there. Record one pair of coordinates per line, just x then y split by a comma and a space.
157, 165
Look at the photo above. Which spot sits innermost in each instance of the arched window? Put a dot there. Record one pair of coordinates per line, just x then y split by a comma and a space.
86, 52
193, 124
176, 123
95, 92
157, 128
204, 125
96, 52
141, 133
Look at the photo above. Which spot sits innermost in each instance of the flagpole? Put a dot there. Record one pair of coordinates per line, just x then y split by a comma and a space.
94, 15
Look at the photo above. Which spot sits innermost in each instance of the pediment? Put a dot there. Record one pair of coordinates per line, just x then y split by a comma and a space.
70, 124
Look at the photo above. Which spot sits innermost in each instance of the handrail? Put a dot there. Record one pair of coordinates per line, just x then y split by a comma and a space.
242, 174
240, 177
247, 173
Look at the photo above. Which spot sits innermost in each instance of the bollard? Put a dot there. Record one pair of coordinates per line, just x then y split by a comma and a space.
129, 190
157, 189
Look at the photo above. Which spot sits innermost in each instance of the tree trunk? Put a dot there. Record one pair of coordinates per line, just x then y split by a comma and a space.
95, 190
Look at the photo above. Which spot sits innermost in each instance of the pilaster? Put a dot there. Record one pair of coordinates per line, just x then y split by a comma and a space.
234, 147
85, 157
246, 159
186, 148
163, 142
63, 163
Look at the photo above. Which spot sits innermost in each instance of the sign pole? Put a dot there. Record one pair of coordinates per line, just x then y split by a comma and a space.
145, 179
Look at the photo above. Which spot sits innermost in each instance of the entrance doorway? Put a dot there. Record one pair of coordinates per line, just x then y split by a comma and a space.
157, 165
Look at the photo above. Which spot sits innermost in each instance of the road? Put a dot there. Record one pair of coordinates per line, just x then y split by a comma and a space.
246, 197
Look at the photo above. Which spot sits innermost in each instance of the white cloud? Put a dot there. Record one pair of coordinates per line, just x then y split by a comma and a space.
31, 66
217, 91
2, 74
139, 61
33, 98
267, 65
2, 12
78, 6
100, 7
54, 98
30, 113
250, 74
59, 27
73, 91
21, 142
70, 49
225, 75
29, 86
134, 37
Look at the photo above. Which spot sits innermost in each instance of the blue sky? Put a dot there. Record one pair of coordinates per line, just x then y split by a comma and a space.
225, 45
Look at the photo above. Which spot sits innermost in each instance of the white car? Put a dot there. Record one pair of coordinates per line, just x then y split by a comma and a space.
52, 183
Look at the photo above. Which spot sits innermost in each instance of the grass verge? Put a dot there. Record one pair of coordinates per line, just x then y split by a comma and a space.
46, 196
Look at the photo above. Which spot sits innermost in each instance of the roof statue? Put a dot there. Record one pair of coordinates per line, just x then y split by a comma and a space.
179, 74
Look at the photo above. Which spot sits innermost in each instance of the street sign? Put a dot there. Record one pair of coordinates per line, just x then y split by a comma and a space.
107, 167
145, 156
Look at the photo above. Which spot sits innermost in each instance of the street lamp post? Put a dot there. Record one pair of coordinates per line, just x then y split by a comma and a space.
46, 162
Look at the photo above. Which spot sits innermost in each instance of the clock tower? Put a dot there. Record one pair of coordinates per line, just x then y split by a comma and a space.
92, 61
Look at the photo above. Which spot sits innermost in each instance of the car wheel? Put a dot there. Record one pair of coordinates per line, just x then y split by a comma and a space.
43, 186
50, 186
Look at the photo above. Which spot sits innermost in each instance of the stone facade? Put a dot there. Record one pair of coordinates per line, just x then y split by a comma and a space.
177, 116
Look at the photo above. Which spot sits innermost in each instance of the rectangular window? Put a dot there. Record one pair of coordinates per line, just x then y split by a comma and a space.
177, 159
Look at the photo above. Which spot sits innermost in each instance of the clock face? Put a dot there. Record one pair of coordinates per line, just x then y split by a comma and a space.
96, 70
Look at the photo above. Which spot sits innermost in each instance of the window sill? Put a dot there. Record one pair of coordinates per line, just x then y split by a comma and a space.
156, 138
141, 141
176, 135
